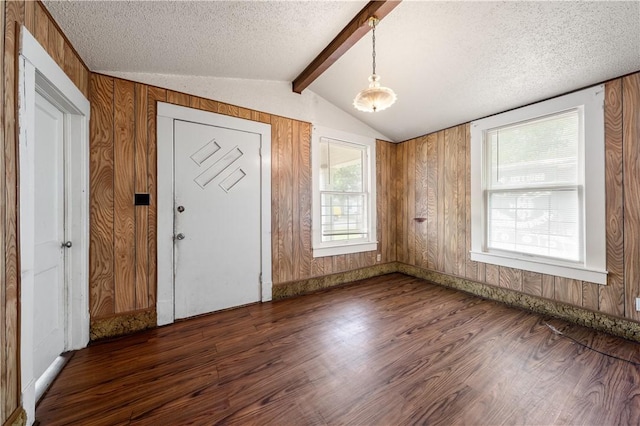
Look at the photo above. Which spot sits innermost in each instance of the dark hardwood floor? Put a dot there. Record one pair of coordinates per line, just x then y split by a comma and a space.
391, 350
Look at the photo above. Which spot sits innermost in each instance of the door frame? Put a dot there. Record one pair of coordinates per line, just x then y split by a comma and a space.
167, 113
39, 72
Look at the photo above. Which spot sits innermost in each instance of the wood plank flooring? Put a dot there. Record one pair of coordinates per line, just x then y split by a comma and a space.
391, 350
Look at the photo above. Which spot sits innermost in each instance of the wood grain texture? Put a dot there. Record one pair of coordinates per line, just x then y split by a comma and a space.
450, 213
7, 359
42, 25
422, 207
124, 189
141, 186
283, 128
303, 179
178, 98
461, 218
346, 38
442, 357
440, 171
612, 295
432, 201
532, 283
101, 250
410, 192
56, 45
631, 173
154, 95
10, 373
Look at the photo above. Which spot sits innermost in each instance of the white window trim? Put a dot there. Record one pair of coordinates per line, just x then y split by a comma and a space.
593, 268
321, 249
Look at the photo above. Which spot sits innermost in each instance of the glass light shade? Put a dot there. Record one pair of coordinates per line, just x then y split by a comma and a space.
374, 98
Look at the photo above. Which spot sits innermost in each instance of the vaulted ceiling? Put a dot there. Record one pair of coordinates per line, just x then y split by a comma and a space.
448, 62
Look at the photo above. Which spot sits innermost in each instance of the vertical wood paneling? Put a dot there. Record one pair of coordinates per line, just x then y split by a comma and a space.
568, 291
510, 278
441, 247
9, 357
422, 208
381, 194
303, 181
548, 286
154, 95
631, 173
450, 243
124, 188
393, 210
56, 45
612, 295
401, 217
101, 260
432, 201
492, 274
6, 358
532, 283
178, 98
409, 191
461, 220
283, 133
590, 296
471, 270
42, 25
30, 16
14, 17
141, 186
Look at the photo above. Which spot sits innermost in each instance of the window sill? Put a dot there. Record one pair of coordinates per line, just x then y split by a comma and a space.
559, 269
344, 249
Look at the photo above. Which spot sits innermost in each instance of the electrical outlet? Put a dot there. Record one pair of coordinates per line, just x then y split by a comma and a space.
379, 258
638, 304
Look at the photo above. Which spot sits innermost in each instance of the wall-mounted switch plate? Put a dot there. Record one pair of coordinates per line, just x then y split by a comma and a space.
638, 304
378, 257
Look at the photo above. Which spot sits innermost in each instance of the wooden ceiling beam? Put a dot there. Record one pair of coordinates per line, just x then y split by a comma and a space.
354, 31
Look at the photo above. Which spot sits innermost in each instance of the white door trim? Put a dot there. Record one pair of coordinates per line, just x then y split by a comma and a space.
167, 113
39, 72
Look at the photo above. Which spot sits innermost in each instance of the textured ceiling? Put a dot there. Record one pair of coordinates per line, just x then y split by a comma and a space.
449, 62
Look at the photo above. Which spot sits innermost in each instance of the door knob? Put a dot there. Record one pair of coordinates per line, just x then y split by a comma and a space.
180, 209
67, 244
180, 236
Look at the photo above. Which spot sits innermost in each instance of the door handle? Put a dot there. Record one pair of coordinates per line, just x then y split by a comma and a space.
67, 244
180, 236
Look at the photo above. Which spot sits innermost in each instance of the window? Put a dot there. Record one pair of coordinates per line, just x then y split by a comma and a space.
344, 216
537, 187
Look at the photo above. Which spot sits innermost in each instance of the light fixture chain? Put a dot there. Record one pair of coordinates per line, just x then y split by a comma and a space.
373, 25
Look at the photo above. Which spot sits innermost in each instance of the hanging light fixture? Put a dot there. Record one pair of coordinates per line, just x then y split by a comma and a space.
375, 97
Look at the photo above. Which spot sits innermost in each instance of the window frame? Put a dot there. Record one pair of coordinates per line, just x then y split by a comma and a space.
592, 267
332, 248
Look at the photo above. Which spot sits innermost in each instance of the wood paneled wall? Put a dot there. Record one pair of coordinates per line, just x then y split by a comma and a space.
435, 181
123, 161
35, 18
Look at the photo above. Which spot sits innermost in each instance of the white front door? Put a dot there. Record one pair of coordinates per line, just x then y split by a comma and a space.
217, 217
49, 273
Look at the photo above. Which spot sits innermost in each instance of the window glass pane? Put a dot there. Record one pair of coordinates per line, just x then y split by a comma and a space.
544, 223
534, 153
344, 216
341, 166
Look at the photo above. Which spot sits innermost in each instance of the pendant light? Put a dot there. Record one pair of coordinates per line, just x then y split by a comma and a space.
375, 97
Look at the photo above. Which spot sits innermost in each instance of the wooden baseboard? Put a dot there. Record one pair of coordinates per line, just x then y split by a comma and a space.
613, 325
17, 418
310, 285
119, 325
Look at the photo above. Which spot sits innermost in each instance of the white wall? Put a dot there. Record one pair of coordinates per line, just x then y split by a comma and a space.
274, 97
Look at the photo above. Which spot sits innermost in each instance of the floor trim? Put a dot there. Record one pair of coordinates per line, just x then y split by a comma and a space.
119, 325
